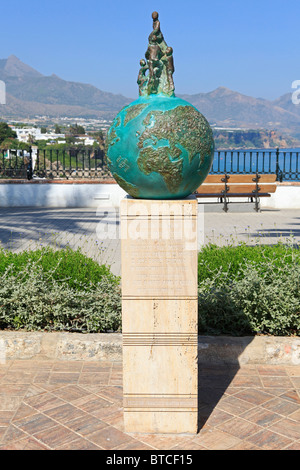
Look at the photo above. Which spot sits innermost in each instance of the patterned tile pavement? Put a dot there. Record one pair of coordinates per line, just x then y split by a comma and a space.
70, 405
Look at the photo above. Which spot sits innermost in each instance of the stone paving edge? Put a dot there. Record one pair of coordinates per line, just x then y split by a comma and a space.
108, 347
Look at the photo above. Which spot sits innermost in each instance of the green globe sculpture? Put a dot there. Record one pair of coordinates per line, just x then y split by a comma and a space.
159, 146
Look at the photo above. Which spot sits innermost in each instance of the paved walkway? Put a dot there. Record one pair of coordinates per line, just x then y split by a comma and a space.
70, 405
97, 232
78, 405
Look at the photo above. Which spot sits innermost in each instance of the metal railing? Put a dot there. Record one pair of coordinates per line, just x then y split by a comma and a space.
284, 163
54, 164
91, 164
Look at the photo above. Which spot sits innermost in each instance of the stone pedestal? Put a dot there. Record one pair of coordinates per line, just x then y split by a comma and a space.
159, 315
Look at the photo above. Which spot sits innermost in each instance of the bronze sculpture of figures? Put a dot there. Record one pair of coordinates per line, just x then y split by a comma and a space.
160, 64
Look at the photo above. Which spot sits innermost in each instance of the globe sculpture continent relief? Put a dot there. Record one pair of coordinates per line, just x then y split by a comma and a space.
160, 146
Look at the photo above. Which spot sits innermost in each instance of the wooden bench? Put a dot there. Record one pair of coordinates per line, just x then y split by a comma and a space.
223, 187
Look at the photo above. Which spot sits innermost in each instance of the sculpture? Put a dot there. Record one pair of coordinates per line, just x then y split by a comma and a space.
159, 146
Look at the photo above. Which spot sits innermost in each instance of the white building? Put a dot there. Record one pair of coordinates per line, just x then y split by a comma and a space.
24, 133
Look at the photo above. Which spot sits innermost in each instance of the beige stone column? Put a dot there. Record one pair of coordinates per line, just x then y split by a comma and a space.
159, 315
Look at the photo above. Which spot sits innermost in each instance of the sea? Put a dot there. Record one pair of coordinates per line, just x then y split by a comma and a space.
285, 163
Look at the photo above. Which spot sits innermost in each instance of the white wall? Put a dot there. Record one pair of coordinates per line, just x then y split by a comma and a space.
285, 197
60, 195
106, 195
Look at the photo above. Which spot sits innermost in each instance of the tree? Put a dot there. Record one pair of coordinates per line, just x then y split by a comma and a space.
44, 130
77, 130
6, 132
57, 129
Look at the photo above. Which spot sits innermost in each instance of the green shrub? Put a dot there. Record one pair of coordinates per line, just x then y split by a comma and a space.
38, 292
73, 267
249, 290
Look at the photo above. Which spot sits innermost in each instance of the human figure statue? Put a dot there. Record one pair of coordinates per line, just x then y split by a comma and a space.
153, 56
169, 63
142, 79
157, 32
159, 63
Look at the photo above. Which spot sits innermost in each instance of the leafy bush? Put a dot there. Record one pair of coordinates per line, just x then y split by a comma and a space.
242, 290
249, 290
37, 294
72, 267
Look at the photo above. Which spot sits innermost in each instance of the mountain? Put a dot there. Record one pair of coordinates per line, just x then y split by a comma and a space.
30, 93
228, 108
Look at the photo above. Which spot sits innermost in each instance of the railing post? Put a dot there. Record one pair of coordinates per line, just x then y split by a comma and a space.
29, 166
278, 171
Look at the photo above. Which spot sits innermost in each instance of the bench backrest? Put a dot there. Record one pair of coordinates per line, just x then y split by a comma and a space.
238, 184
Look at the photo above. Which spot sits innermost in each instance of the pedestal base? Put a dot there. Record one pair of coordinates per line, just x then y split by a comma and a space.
159, 315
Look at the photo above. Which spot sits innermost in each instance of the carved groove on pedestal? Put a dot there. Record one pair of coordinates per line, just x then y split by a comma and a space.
160, 297
160, 401
160, 339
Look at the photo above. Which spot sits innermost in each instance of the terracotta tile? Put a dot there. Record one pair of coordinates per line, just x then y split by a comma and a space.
43, 401
275, 391
163, 441
42, 377
281, 406
17, 445
291, 395
109, 438
295, 416
261, 416
116, 420
56, 436
16, 390
246, 381
35, 423
67, 366
135, 445
31, 365
71, 393
24, 411
3, 430
296, 382
239, 427
93, 367
269, 440
257, 397
293, 371
294, 446
279, 382
215, 439
6, 417
94, 378
32, 444
34, 390
112, 393
92, 404
189, 445
79, 444
234, 406
12, 433
9, 403
287, 427
63, 378
107, 411
116, 378
18, 377
85, 425
244, 445
271, 370
65, 413
207, 416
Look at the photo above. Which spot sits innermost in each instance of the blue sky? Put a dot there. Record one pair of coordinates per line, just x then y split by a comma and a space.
250, 46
